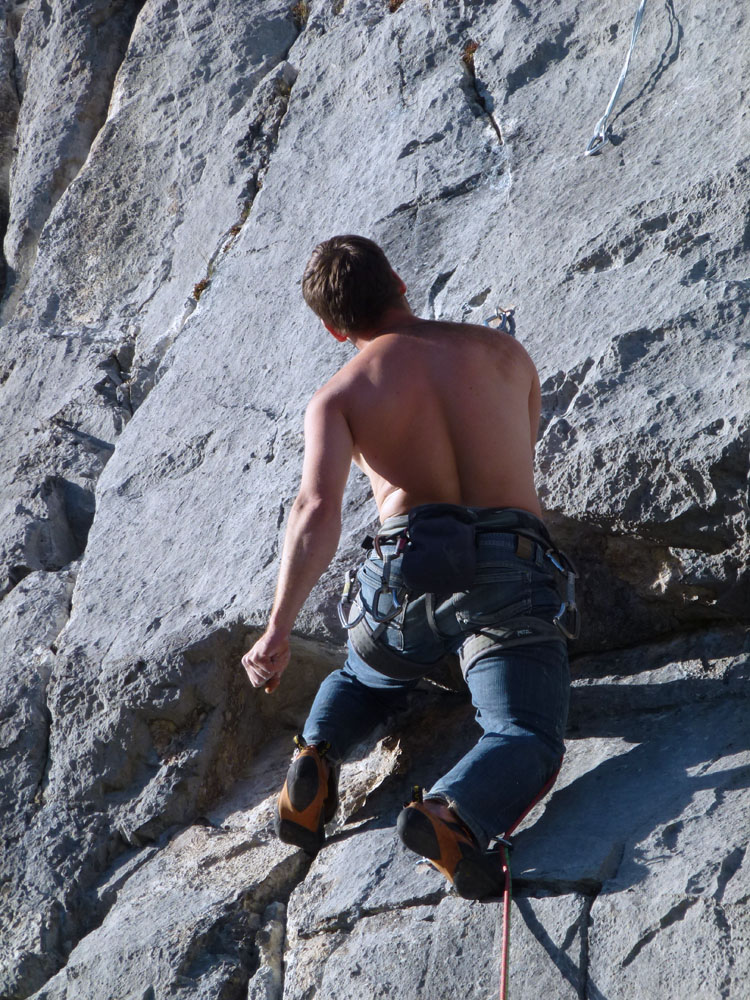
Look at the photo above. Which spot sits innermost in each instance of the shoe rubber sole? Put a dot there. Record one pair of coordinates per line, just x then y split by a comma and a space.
307, 802
475, 874
292, 833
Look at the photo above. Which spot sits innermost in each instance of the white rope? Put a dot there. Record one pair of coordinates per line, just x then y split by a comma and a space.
599, 138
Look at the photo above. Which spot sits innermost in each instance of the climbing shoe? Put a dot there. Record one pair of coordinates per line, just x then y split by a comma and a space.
308, 799
433, 830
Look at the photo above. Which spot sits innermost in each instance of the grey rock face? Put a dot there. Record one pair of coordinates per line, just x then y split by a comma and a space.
165, 170
32, 617
79, 321
9, 103
204, 875
64, 87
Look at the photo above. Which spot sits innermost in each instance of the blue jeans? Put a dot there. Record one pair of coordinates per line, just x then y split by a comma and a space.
520, 692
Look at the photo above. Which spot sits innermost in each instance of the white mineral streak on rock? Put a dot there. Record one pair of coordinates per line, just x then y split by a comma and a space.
165, 169
268, 981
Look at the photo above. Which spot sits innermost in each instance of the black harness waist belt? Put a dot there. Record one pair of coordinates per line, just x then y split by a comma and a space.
437, 542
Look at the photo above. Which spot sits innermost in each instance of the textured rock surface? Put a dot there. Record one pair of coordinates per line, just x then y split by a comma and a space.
165, 169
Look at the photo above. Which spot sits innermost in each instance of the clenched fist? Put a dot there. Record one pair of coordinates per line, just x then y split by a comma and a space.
267, 660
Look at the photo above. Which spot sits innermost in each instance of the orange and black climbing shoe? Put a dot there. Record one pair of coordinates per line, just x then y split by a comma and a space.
308, 799
433, 830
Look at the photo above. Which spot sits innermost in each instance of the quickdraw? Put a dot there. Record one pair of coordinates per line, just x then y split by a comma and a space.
601, 133
569, 614
503, 320
346, 600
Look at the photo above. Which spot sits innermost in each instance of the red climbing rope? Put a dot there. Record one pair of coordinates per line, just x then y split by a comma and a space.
508, 890
507, 899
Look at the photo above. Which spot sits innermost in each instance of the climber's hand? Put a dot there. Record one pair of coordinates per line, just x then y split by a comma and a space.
267, 660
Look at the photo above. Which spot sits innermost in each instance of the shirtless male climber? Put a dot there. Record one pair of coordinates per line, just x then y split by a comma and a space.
443, 419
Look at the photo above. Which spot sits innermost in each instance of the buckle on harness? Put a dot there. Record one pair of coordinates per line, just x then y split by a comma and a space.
401, 543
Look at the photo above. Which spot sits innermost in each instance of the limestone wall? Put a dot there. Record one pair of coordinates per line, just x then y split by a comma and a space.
165, 170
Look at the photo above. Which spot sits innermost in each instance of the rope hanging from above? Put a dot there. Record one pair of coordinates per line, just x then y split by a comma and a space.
600, 137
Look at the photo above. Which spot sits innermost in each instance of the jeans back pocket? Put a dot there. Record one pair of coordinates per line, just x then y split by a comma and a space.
495, 600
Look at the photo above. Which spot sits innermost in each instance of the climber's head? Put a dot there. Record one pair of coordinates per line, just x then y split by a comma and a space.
350, 285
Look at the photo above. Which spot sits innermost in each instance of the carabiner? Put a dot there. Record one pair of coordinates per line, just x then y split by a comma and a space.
550, 554
568, 612
346, 599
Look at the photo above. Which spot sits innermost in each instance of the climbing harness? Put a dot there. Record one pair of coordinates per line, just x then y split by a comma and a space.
600, 137
366, 622
514, 629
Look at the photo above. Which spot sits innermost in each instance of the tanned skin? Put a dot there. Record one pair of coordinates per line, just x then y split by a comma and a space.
432, 412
